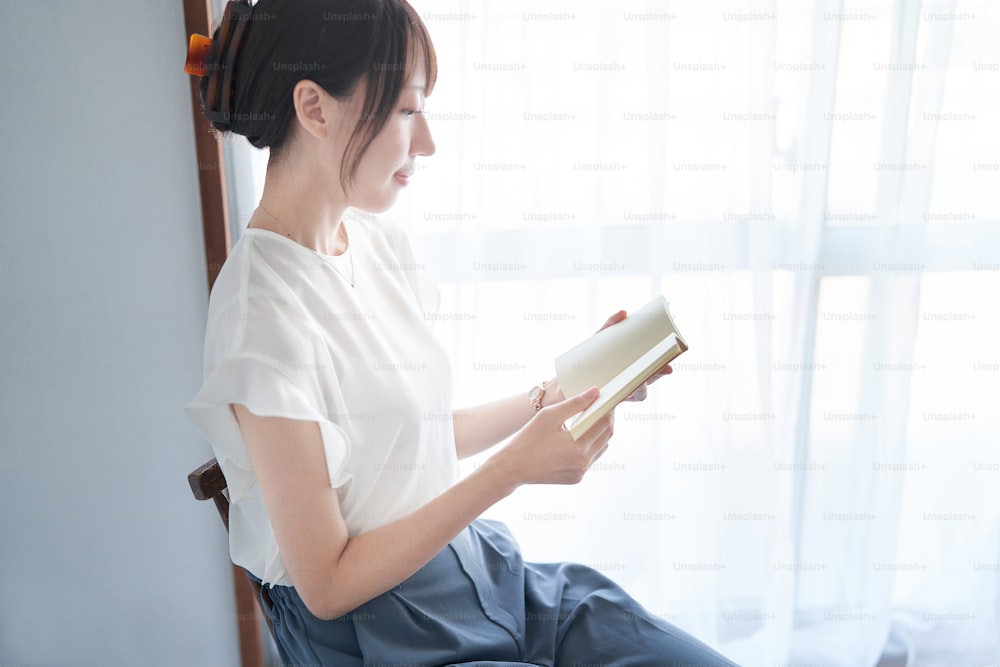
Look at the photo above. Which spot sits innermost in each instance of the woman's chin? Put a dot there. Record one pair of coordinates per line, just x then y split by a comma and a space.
377, 204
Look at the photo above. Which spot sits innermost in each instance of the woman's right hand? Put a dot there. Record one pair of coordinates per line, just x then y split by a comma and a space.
544, 451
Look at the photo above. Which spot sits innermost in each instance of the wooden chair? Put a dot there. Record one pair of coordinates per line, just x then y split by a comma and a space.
208, 482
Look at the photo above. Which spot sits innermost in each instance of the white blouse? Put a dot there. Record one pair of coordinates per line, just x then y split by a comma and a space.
288, 336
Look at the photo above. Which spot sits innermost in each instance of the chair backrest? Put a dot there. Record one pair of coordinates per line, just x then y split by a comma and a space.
208, 483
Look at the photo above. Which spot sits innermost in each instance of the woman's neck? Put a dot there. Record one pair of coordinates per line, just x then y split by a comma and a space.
296, 206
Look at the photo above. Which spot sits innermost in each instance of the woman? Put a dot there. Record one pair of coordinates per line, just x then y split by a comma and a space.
328, 400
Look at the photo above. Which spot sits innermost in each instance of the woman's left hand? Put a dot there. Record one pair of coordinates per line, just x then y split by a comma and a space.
640, 393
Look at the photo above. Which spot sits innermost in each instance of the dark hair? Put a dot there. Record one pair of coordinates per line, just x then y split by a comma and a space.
335, 43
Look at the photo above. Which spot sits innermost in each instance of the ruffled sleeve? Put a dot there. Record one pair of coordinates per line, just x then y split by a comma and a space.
261, 354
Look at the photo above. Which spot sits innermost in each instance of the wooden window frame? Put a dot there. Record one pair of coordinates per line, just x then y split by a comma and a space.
212, 186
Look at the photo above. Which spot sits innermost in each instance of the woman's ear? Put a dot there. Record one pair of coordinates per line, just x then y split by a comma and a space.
310, 102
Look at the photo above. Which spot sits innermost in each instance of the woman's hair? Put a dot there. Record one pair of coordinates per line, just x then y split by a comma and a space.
336, 44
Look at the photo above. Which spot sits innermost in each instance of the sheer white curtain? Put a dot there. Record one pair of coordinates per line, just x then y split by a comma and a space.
813, 186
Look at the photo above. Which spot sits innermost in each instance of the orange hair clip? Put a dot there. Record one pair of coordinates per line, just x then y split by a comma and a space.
216, 59
198, 50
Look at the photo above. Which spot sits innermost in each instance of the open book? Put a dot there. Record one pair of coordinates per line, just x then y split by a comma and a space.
618, 360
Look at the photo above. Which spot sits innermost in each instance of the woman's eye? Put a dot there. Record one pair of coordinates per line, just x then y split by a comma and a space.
410, 113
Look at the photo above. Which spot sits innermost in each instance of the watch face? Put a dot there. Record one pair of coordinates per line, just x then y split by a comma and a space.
535, 393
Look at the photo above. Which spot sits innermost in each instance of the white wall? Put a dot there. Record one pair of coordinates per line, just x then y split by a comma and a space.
105, 557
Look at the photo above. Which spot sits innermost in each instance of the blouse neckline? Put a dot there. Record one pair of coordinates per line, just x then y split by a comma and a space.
260, 231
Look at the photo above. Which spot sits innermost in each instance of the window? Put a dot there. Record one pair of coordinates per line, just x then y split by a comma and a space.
813, 188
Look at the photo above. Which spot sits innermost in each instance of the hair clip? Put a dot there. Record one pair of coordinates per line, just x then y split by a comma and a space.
204, 55
198, 49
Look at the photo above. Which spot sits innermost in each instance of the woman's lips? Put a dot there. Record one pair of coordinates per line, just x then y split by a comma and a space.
403, 177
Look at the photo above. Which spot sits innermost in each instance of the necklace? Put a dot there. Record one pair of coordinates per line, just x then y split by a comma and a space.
332, 265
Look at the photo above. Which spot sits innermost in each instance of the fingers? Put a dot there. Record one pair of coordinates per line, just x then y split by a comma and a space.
614, 319
571, 406
599, 454
637, 395
666, 370
564, 460
596, 449
640, 393
599, 434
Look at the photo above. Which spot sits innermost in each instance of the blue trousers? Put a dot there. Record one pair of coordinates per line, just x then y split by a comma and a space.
477, 604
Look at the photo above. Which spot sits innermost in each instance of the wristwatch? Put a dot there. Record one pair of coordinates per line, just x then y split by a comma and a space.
535, 396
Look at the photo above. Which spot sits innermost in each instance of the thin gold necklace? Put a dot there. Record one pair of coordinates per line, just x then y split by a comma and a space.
332, 265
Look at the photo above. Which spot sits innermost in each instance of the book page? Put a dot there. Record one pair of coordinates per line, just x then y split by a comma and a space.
615, 391
606, 354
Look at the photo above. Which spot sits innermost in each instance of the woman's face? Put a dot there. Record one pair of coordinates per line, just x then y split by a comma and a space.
389, 161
